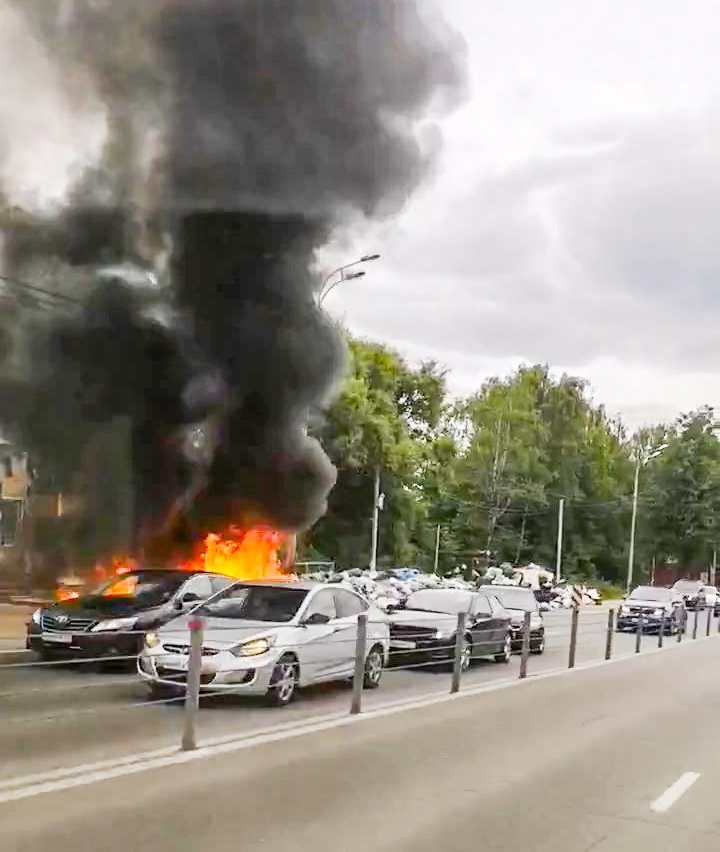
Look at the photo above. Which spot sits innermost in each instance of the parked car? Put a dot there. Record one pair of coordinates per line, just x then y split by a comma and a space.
692, 592
712, 599
426, 627
654, 606
112, 620
517, 601
269, 638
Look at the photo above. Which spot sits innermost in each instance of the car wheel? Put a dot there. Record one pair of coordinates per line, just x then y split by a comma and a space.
374, 663
506, 654
283, 682
539, 647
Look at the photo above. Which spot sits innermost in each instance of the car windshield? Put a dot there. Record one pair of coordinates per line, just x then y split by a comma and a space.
514, 598
257, 603
650, 593
429, 600
685, 586
150, 586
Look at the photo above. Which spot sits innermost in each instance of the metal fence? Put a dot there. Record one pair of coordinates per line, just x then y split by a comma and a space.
451, 651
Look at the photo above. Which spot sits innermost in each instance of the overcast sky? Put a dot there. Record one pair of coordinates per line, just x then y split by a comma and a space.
573, 218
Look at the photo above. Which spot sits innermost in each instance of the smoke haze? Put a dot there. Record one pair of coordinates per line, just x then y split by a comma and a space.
206, 149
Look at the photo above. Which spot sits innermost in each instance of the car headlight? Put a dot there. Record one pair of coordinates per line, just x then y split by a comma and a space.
37, 615
624, 610
115, 624
254, 647
658, 611
152, 640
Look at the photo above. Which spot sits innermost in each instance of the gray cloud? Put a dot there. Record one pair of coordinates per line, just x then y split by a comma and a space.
607, 248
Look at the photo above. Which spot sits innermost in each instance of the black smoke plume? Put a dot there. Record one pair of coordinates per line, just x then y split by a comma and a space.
188, 352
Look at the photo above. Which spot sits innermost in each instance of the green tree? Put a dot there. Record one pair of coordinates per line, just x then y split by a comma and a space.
387, 415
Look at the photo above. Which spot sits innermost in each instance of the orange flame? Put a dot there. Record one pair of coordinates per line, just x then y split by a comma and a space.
254, 556
65, 594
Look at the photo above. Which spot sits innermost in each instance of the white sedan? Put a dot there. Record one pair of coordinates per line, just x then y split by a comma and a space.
269, 638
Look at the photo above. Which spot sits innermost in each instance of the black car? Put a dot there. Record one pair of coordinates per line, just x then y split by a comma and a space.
692, 592
650, 608
112, 620
518, 600
426, 627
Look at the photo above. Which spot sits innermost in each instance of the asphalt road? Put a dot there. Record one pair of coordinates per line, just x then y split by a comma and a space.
567, 763
55, 715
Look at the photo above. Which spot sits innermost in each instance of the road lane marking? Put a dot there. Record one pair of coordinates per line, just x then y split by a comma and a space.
25, 787
674, 792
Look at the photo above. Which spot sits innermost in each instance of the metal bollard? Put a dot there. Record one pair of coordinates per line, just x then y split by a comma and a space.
683, 622
525, 656
709, 622
192, 685
459, 645
610, 631
638, 634
661, 631
359, 673
695, 622
573, 636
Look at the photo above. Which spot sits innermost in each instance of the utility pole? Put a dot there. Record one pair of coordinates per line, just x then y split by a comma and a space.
437, 550
558, 563
713, 567
631, 554
377, 505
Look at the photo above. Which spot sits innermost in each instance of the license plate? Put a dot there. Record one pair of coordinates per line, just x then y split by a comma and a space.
58, 638
402, 643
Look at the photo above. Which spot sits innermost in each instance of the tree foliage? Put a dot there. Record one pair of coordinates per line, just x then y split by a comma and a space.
490, 470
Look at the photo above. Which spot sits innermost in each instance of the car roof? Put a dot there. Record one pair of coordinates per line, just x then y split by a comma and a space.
446, 591
305, 585
156, 570
496, 588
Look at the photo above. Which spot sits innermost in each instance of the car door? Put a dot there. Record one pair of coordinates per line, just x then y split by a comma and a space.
501, 621
319, 655
348, 606
481, 625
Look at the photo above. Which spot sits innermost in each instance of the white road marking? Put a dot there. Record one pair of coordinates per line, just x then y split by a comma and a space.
674, 791
25, 787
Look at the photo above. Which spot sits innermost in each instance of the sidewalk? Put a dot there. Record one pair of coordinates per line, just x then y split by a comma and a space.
13, 619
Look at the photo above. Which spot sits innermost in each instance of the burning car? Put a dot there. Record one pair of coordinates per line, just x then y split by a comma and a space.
112, 620
268, 638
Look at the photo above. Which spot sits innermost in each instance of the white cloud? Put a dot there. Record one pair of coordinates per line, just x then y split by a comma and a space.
573, 218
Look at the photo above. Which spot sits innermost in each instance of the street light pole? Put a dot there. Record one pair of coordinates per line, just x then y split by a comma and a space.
327, 286
639, 461
558, 556
377, 505
631, 553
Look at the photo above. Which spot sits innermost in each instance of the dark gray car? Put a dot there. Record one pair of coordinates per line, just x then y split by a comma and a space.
426, 627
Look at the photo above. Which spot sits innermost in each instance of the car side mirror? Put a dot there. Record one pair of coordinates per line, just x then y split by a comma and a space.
316, 618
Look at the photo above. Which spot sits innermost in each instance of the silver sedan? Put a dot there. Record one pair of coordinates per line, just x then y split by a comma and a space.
269, 638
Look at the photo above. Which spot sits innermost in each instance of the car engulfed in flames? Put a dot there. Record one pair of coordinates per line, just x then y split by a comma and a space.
244, 555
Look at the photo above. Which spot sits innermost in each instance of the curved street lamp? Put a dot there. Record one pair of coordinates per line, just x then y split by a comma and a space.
328, 283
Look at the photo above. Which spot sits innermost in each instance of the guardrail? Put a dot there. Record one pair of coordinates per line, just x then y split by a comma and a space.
453, 651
